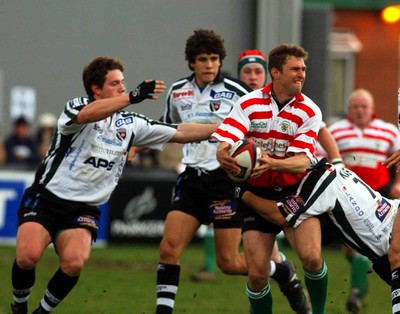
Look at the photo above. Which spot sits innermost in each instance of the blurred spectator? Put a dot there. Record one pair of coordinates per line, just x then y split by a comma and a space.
148, 158
21, 148
47, 125
2, 152
171, 157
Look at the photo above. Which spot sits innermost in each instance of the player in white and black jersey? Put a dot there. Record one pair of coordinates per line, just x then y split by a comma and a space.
359, 216
204, 192
81, 169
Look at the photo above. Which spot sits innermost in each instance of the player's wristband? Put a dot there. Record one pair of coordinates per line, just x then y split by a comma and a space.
338, 162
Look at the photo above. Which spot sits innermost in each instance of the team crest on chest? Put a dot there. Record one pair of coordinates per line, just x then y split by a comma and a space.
121, 134
284, 126
215, 105
97, 128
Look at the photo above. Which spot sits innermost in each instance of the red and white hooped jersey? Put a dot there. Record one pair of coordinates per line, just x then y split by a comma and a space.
363, 150
280, 133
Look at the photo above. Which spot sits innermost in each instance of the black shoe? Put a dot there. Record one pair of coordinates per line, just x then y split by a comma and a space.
19, 308
40, 310
294, 292
354, 302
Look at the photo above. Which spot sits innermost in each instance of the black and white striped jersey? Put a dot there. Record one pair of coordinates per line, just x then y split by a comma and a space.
358, 215
85, 162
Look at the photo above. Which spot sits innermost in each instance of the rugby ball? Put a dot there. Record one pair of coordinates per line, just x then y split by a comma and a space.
247, 153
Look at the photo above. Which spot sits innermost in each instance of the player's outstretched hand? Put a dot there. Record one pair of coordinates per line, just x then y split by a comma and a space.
145, 90
392, 160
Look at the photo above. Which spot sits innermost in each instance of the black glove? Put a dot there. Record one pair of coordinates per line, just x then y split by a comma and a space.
142, 92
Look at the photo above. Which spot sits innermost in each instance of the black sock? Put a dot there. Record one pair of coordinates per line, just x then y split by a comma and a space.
22, 283
167, 286
281, 274
395, 290
58, 288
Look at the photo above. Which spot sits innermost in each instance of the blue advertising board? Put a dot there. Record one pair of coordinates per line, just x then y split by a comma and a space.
12, 186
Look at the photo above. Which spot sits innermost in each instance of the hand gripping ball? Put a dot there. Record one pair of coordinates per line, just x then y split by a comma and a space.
247, 153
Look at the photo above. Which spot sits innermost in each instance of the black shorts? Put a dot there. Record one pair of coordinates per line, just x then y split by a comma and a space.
207, 196
55, 214
251, 219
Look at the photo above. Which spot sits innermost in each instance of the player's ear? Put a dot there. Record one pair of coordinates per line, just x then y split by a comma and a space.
95, 89
274, 72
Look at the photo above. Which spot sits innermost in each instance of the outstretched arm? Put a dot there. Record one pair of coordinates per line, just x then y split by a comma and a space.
193, 132
105, 107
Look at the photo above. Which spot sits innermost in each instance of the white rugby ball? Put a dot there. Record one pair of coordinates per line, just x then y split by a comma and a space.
247, 153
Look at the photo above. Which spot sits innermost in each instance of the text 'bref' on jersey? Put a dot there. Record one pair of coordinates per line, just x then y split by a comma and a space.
85, 161
186, 103
293, 129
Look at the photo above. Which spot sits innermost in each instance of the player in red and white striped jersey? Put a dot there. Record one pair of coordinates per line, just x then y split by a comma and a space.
285, 123
365, 142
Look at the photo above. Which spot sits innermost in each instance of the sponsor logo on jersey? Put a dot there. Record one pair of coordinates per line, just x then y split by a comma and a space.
221, 95
383, 210
108, 141
215, 105
30, 214
122, 121
293, 204
182, 93
353, 202
204, 114
70, 151
274, 146
186, 107
249, 219
99, 163
370, 227
87, 221
222, 209
259, 125
96, 149
121, 134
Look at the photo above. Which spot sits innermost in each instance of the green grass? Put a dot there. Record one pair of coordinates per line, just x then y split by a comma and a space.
122, 279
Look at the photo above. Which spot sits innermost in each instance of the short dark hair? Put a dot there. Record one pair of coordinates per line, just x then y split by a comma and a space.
277, 56
21, 120
95, 72
204, 41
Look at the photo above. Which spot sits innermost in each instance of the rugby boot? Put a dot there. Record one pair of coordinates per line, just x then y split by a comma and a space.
293, 290
354, 301
40, 310
19, 308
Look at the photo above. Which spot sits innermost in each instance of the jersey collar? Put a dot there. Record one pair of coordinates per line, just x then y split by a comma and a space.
268, 90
